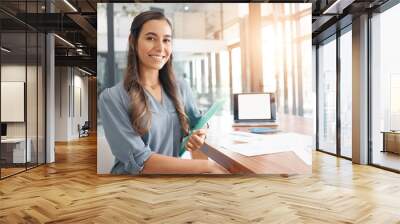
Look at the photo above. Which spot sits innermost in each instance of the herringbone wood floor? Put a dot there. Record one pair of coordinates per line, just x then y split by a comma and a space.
70, 191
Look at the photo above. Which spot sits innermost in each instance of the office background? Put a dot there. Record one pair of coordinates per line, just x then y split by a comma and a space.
340, 190
332, 52
22, 62
336, 63
235, 48
47, 108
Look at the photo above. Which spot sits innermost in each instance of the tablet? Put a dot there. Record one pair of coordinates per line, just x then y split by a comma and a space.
217, 106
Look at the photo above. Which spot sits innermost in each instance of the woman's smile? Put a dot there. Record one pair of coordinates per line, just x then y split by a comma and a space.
157, 58
154, 45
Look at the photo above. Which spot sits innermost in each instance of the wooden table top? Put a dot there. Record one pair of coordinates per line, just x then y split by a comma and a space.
276, 163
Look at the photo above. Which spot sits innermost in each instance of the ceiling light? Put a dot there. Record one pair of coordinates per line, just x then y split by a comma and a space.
186, 8
64, 40
79, 51
338, 6
84, 71
5, 49
70, 5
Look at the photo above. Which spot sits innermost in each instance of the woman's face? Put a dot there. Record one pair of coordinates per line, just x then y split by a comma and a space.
154, 44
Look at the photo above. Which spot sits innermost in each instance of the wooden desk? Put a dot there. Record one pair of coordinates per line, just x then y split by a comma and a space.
13, 150
391, 141
277, 163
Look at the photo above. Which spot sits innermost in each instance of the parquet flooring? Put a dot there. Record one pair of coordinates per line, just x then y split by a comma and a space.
70, 191
10, 171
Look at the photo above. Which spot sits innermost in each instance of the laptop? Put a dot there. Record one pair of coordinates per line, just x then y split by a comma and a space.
254, 109
3, 131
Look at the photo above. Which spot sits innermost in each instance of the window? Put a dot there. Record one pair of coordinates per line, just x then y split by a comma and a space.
385, 84
327, 96
286, 53
346, 94
236, 70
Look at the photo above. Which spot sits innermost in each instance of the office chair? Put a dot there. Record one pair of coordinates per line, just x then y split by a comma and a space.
84, 130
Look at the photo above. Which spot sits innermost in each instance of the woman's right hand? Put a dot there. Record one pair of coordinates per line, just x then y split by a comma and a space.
215, 168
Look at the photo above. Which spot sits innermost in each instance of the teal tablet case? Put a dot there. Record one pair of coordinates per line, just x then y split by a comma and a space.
203, 121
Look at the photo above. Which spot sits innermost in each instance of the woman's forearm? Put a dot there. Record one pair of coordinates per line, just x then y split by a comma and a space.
160, 164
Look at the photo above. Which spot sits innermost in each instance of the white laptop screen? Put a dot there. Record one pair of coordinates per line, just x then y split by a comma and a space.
254, 106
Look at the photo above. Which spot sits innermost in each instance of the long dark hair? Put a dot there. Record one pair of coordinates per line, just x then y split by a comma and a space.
140, 113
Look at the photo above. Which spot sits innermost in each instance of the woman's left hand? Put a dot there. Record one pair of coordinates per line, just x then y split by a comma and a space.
196, 140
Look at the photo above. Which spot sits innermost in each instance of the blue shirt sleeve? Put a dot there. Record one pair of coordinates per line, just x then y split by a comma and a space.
126, 145
189, 102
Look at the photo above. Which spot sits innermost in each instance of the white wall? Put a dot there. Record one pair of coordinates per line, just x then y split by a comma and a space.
33, 126
12, 101
69, 85
61, 103
79, 117
12, 73
189, 25
17, 73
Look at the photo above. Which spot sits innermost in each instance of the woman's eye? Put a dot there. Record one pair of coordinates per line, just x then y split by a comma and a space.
150, 38
167, 40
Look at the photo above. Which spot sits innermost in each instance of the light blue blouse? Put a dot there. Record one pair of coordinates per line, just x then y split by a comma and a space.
164, 136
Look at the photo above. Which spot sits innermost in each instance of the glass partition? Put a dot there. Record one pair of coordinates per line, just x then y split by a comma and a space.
41, 109
327, 96
14, 154
346, 93
31, 98
385, 84
22, 89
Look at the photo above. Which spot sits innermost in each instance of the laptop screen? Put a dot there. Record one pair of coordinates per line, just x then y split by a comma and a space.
254, 106
3, 129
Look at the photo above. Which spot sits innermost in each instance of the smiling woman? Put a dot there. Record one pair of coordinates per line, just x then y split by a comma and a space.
146, 116
154, 48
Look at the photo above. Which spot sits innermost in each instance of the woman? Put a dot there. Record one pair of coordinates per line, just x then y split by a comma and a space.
145, 116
